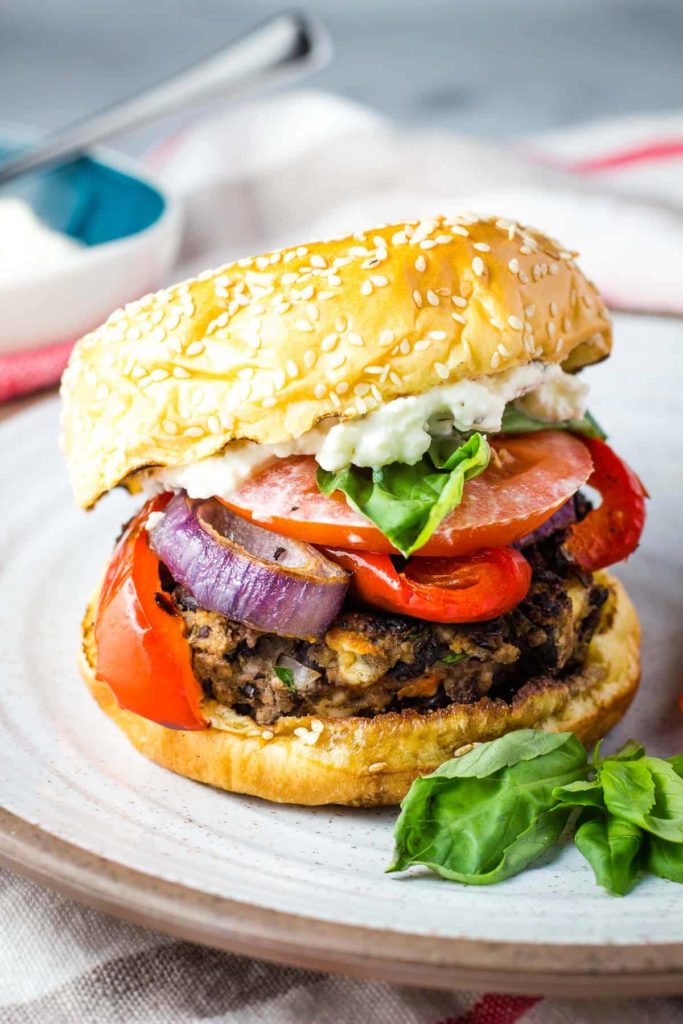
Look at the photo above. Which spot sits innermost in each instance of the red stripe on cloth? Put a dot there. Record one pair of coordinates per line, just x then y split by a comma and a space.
664, 150
493, 1009
23, 372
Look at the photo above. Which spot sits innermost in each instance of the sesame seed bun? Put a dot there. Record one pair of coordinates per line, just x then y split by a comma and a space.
372, 761
264, 348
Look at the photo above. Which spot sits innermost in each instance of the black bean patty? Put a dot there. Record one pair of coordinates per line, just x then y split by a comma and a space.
371, 661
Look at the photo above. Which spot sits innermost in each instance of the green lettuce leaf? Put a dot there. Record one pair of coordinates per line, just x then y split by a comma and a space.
407, 503
665, 859
487, 815
648, 793
612, 847
517, 422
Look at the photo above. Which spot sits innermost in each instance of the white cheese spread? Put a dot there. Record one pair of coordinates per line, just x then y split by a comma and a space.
26, 242
399, 431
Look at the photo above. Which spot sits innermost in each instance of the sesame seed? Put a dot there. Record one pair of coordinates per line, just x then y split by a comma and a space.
481, 247
159, 374
551, 329
377, 394
395, 379
361, 406
336, 360
333, 280
292, 368
458, 229
375, 370
441, 370
288, 279
301, 732
336, 401
309, 358
503, 351
386, 337
170, 427
342, 387
524, 278
515, 323
427, 243
214, 424
318, 261
458, 300
529, 310
366, 288
478, 266
559, 343
420, 263
379, 280
553, 309
317, 725
279, 379
554, 268
303, 325
329, 342
194, 349
495, 322
525, 249
513, 265
361, 388
566, 255
307, 292
355, 339
193, 432
432, 297
459, 318
495, 360
404, 347
319, 391
180, 372
377, 766
437, 335
422, 344
267, 734
417, 298
566, 324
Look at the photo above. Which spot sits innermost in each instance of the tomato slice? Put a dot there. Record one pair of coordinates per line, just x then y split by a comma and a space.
610, 532
529, 477
471, 588
142, 653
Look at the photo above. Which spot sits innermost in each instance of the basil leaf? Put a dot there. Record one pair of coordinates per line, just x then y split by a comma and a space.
648, 793
677, 764
580, 794
487, 815
517, 422
665, 859
407, 503
286, 676
631, 751
612, 847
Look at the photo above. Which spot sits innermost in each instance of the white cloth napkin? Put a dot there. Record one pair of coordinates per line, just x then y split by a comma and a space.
273, 172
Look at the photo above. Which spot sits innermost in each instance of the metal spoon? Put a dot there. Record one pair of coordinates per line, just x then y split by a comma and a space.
283, 48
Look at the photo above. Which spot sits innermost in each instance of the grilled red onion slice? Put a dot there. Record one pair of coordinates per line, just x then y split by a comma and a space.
247, 573
560, 520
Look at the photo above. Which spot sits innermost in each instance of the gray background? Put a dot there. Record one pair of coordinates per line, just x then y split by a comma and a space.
488, 67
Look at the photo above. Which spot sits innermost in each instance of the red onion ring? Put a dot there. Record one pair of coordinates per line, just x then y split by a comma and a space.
246, 573
560, 520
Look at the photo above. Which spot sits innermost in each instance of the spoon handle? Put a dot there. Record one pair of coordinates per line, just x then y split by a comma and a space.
285, 47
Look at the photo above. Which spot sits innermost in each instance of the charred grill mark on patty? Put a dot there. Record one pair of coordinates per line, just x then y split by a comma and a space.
371, 661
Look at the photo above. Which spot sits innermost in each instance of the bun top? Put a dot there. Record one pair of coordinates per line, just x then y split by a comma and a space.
263, 348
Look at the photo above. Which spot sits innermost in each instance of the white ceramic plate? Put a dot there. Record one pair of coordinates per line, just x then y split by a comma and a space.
86, 813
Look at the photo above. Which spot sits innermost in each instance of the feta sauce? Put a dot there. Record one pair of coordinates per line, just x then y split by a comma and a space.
399, 431
26, 242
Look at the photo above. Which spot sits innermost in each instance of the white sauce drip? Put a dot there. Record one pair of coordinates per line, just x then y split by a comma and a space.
399, 431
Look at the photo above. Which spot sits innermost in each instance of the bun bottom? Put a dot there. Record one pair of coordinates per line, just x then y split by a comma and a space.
372, 761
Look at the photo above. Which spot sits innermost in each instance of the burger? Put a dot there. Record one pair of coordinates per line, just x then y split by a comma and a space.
363, 542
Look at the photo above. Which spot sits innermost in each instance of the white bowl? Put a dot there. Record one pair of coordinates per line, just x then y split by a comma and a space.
131, 230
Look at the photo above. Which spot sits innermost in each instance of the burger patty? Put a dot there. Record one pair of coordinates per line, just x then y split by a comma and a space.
371, 661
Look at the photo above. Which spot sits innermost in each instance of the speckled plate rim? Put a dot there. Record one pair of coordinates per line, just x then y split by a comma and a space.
577, 971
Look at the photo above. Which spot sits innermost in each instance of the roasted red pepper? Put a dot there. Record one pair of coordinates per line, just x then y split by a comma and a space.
142, 651
610, 532
470, 588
